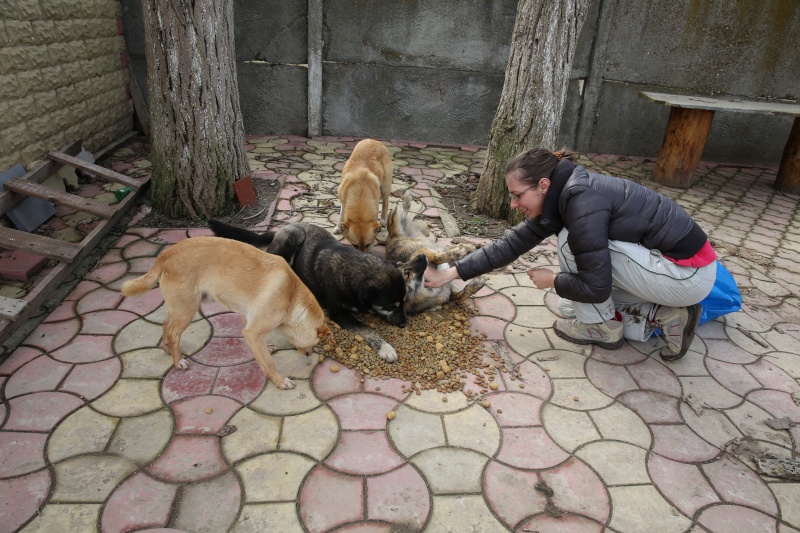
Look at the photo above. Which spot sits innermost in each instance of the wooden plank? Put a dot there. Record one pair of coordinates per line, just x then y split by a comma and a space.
39, 294
9, 199
103, 172
11, 308
722, 104
13, 239
684, 140
788, 178
61, 198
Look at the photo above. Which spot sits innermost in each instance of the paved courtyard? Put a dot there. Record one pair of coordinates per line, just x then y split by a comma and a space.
99, 433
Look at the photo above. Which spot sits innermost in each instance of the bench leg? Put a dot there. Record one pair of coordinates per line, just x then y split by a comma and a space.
684, 140
788, 179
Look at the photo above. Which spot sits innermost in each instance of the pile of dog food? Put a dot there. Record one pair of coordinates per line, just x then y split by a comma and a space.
436, 350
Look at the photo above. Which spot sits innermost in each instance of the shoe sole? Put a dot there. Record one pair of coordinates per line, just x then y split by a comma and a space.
688, 333
607, 345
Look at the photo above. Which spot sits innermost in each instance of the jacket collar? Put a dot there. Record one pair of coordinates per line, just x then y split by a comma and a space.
550, 216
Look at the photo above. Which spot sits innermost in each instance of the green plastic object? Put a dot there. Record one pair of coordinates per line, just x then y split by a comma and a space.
119, 194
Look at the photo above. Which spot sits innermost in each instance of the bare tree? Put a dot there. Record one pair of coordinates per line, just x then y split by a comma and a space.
197, 133
534, 92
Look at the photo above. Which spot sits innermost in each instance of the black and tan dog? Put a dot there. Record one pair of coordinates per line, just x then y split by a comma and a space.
411, 242
258, 286
344, 280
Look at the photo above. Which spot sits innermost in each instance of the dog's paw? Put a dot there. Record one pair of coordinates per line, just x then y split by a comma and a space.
182, 365
337, 230
288, 384
387, 353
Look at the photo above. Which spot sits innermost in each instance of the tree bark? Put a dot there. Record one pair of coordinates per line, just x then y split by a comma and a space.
197, 132
534, 92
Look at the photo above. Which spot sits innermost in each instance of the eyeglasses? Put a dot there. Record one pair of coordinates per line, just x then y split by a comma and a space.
518, 195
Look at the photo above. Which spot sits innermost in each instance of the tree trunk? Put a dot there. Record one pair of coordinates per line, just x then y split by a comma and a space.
197, 133
534, 92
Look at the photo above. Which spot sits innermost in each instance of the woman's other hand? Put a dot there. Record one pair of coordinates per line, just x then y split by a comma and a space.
436, 278
543, 278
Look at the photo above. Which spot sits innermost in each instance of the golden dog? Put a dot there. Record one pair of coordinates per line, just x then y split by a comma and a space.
259, 286
366, 181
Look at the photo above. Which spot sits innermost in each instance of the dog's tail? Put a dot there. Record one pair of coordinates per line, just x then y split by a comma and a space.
221, 229
144, 283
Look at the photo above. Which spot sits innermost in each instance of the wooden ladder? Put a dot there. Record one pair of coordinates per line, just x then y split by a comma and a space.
14, 311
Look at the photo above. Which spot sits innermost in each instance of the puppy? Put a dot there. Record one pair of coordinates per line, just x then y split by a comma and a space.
366, 180
259, 286
411, 242
344, 280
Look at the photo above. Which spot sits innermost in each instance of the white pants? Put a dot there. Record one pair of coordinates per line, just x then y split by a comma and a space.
641, 279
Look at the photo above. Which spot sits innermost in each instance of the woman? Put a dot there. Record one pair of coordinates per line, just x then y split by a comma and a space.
632, 260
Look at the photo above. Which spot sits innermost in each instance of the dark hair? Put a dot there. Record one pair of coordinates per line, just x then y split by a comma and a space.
536, 163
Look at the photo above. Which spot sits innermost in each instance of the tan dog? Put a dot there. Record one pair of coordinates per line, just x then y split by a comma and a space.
259, 286
366, 180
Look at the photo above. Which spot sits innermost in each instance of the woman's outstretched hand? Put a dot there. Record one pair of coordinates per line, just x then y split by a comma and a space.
436, 278
543, 278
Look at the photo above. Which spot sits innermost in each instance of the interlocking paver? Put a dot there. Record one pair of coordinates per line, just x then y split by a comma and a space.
610, 433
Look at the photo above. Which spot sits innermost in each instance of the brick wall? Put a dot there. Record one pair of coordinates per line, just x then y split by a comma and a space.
63, 76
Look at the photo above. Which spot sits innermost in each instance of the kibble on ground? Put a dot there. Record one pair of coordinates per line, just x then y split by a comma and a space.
436, 350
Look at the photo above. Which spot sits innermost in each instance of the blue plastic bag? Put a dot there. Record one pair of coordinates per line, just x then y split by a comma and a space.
724, 298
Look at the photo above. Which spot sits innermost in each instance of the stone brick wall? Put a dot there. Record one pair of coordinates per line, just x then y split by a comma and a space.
63, 76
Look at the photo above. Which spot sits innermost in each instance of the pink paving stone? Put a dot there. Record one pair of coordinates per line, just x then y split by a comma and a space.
86, 349
41, 374
141, 232
227, 325
652, 375
200, 232
243, 382
139, 502
511, 493
192, 416
21, 497
21, 453
627, 355
431, 212
391, 388
51, 335
577, 489
400, 497
82, 289
98, 300
93, 379
772, 377
188, 459
364, 453
726, 351
329, 499
370, 527
139, 266
537, 383
562, 524
284, 205
64, 311
682, 484
17, 359
224, 351
196, 380
530, 448
680, 443
327, 384
142, 305
362, 411
497, 305
728, 518
493, 328
733, 377
171, 236
776, 403
433, 172
106, 322
40, 411
427, 201
107, 273
653, 407
210, 308
517, 409
613, 380
736, 483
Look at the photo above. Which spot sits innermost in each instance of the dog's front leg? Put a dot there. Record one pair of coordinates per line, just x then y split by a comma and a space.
257, 341
350, 322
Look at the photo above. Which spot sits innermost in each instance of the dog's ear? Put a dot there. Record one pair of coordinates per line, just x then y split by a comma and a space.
325, 333
418, 265
376, 226
367, 294
343, 226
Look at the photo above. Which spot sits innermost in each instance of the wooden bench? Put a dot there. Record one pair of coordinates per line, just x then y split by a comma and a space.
687, 130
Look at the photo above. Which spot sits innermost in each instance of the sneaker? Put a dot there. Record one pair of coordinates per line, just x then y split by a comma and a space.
677, 325
606, 334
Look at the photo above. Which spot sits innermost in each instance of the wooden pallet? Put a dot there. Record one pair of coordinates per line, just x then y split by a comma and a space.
14, 311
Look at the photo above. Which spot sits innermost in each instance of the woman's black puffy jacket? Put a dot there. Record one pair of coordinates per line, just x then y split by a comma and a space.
595, 208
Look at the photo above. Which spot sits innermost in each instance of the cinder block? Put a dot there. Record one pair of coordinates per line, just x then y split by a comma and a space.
245, 192
30, 213
20, 266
